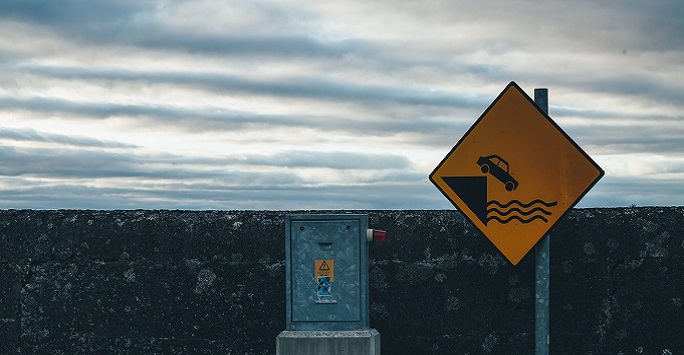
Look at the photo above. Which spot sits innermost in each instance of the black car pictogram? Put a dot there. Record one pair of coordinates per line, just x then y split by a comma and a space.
498, 168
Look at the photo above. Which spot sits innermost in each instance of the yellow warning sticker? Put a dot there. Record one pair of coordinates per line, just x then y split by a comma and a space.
325, 268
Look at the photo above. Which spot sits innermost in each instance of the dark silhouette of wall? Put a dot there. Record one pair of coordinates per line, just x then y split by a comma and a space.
212, 282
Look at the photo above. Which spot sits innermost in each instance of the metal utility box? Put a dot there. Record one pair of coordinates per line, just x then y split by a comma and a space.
326, 272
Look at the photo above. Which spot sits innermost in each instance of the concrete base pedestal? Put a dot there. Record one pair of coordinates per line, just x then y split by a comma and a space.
310, 342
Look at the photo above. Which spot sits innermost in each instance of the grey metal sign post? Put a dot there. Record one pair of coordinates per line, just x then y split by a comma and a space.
542, 274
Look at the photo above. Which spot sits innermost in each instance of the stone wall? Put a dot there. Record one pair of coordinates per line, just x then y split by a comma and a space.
212, 282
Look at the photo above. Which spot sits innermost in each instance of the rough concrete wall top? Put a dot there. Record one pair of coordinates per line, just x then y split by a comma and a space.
617, 283
142, 281
213, 282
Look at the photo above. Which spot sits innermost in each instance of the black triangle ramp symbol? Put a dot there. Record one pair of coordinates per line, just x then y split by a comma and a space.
324, 266
472, 190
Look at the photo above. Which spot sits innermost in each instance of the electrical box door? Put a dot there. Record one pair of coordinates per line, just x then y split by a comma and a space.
327, 272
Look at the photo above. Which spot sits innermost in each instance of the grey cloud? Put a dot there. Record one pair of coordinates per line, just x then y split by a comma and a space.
332, 160
611, 136
642, 191
314, 87
77, 16
136, 23
624, 145
628, 25
374, 97
624, 83
659, 23
92, 164
29, 134
65, 163
212, 119
292, 159
86, 164
207, 119
222, 196
281, 45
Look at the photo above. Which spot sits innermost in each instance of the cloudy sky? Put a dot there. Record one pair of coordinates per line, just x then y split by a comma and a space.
118, 104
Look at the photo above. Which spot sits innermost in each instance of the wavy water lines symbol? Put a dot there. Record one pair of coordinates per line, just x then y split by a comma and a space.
519, 211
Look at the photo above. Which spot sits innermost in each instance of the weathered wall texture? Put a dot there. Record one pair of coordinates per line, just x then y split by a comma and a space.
212, 282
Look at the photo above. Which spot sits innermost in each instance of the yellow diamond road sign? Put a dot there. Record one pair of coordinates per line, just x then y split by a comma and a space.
515, 173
